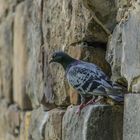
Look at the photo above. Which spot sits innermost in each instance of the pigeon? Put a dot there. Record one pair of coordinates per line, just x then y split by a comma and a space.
88, 79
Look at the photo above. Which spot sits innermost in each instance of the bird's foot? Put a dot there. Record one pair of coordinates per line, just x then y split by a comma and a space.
81, 106
99, 99
92, 101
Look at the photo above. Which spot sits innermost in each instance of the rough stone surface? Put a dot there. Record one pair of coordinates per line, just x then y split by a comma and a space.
34, 42
30, 30
99, 122
125, 39
24, 127
104, 11
53, 128
20, 57
37, 124
6, 55
3, 122
9, 121
131, 43
114, 53
7, 8
131, 127
46, 125
13, 118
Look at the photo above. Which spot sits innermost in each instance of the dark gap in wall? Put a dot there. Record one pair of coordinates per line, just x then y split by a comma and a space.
42, 41
96, 44
12, 83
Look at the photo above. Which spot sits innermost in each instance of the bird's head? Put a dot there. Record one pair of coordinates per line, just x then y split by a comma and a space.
58, 57
62, 58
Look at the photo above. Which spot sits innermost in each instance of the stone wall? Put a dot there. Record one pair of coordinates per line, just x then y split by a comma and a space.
34, 96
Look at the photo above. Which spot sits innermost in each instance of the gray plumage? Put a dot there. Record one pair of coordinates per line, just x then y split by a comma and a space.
87, 78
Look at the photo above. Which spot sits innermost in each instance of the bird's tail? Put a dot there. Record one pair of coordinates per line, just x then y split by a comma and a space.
118, 98
116, 94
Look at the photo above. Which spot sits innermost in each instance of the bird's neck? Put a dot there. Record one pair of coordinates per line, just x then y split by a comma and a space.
67, 62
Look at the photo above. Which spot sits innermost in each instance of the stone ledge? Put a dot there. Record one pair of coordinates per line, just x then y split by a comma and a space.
46, 125
98, 122
131, 117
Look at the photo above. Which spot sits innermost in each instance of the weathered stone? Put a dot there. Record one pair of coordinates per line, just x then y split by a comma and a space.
3, 121
53, 128
130, 68
0, 81
6, 47
46, 125
99, 122
37, 124
96, 31
20, 57
6, 7
13, 119
114, 53
10, 137
105, 12
74, 96
35, 65
24, 127
125, 39
131, 127
3, 8
136, 85
9, 121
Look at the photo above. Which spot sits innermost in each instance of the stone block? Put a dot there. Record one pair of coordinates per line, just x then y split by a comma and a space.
98, 122
131, 126
130, 68
24, 127
3, 121
53, 127
114, 54
7, 7
125, 39
105, 11
13, 119
9, 121
37, 124
6, 56
20, 57
38, 84
46, 125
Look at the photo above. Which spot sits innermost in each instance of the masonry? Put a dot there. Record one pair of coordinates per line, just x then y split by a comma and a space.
35, 98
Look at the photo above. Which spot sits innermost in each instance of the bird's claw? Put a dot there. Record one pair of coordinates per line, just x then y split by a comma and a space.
92, 101
81, 106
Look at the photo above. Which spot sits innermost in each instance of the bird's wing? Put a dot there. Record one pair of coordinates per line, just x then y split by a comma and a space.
86, 77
